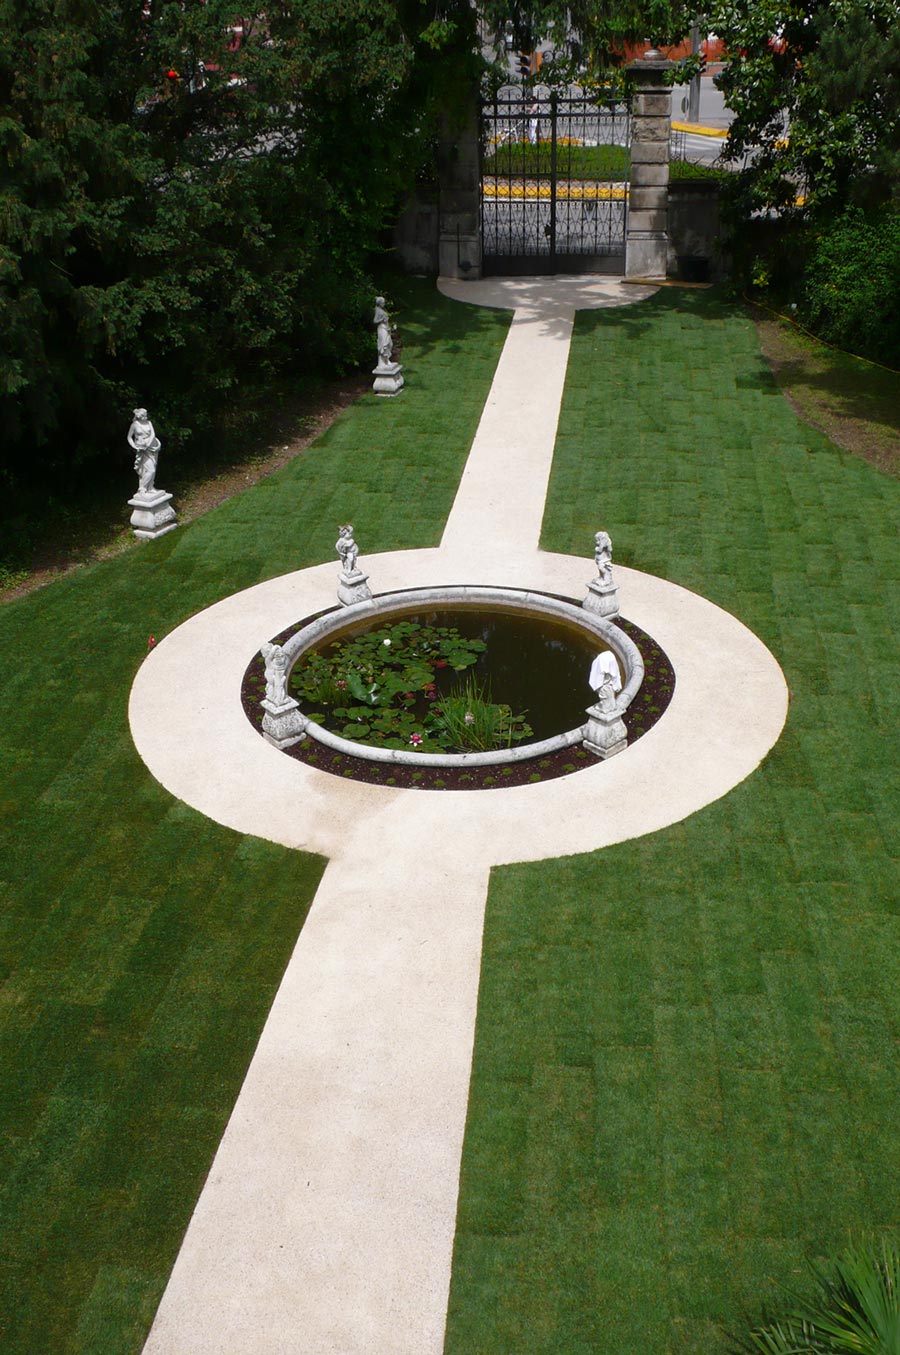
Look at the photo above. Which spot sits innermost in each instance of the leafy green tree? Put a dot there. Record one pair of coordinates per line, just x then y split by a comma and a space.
815, 89
186, 208
589, 35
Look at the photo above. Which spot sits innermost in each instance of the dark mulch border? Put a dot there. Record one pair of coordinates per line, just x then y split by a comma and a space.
647, 707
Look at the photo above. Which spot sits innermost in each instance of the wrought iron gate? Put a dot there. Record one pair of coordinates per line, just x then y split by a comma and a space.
554, 188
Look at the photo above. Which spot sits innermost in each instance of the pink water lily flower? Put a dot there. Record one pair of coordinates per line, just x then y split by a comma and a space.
415, 739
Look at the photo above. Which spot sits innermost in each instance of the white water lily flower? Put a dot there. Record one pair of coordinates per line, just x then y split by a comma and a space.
385, 642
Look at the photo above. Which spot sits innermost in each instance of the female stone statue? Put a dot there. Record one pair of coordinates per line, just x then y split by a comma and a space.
145, 444
383, 340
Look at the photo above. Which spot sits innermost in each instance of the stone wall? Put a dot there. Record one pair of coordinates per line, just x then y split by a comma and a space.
695, 252
459, 194
416, 236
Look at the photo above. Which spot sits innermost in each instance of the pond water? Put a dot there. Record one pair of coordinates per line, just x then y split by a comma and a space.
535, 664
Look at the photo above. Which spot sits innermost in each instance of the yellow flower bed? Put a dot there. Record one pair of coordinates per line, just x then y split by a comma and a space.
572, 191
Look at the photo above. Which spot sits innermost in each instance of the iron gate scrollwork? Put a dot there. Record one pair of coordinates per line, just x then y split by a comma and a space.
554, 182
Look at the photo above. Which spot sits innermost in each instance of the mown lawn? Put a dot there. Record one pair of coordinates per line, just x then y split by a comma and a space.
686, 1073
687, 1068
592, 164
141, 945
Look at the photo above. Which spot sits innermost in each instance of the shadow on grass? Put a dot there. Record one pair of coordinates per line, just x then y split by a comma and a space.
853, 389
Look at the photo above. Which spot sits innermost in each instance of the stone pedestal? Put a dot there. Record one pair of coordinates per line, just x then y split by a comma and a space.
646, 235
605, 733
354, 588
284, 724
388, 380
602, 598
153, 514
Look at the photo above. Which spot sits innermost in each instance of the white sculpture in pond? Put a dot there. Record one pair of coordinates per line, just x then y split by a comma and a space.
277, 662
605, 733
605, 672
145, 445
383, 340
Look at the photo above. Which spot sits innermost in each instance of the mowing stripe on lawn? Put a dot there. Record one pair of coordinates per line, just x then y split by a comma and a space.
141, 944
686, 1069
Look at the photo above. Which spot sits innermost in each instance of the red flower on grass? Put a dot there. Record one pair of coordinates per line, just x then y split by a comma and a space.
151, 641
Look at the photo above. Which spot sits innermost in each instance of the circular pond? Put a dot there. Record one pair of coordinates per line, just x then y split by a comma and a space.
377, 682
416, 668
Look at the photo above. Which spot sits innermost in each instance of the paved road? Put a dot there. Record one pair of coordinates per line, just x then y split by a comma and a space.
522, 226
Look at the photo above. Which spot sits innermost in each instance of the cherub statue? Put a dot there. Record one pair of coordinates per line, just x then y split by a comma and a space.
606, 696
347, 549
145, 445
277, 661
603, 556
383, 340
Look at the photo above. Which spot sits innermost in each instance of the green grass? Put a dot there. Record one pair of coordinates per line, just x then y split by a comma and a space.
589, 163
687, 1069
855, 402
679, 170
140, 944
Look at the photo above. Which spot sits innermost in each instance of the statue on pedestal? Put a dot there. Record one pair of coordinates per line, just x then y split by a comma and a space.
383, 340
388, 378
352, 585
284, 724
153, 514
145, 445
603, 595
276, 673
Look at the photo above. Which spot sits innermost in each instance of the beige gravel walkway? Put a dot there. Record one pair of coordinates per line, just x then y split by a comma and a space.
326, 1225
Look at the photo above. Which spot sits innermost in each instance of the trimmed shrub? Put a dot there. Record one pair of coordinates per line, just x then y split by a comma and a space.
852, 282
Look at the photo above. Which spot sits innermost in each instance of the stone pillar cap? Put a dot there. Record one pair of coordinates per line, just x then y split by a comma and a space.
647, 64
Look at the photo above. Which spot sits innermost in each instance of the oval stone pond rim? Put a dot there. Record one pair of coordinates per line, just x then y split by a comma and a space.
509, 599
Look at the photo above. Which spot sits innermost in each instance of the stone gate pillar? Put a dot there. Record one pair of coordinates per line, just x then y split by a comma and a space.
646, 237
459, 196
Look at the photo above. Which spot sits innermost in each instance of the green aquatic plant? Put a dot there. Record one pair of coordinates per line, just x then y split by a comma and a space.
475, 723
384, 689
